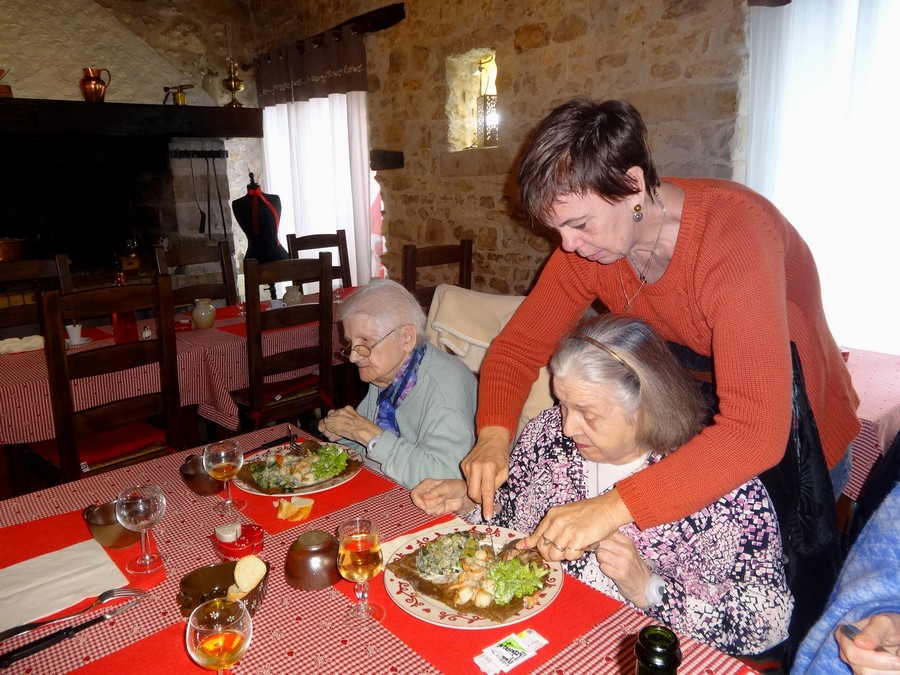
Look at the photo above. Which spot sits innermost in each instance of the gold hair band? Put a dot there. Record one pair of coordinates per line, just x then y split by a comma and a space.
604, 348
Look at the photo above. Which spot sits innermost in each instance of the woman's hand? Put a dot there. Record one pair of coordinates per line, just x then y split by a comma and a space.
878, 631
568, 530
486, 467
621, 562
437, 497
347, 423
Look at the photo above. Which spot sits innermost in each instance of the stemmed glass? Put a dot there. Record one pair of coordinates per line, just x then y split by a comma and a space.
337, 290
359, 559
218, 633
138, 508
222, 460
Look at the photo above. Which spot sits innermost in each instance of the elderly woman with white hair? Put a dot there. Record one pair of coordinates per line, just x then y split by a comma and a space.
418, 417
624, 404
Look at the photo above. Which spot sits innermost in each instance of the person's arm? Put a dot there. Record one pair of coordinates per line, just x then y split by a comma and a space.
562, 294
745, 609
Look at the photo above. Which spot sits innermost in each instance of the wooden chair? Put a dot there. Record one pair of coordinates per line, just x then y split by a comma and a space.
263, 402
414, 258
122, 431
226, 289
30, 277
314, 242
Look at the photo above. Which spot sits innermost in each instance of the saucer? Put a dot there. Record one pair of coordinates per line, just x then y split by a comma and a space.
76, 343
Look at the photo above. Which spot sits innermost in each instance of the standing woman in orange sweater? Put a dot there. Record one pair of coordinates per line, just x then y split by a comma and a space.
720, 273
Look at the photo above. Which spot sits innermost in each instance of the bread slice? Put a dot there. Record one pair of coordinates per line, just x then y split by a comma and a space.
235, 593
295, 509
248, 571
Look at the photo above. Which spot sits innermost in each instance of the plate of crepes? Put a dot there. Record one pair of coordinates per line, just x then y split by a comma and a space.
458, 576
15, 345
305, 468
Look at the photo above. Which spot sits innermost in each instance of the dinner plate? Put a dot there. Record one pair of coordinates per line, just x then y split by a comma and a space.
326, 484
430, 610
82, 341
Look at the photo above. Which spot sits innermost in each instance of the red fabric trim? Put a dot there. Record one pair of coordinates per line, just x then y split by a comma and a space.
256, 194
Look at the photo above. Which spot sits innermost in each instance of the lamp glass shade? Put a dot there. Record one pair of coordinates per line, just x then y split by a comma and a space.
488, 121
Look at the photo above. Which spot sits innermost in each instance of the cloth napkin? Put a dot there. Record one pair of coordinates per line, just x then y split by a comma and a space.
53, 581
15, 345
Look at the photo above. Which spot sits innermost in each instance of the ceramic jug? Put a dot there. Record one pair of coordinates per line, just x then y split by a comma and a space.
93, 88
293, 295
203, 314
311, 562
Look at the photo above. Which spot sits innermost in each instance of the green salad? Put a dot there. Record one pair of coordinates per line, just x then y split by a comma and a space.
291, 471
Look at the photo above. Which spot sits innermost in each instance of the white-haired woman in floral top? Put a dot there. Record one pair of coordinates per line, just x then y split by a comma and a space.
625, 403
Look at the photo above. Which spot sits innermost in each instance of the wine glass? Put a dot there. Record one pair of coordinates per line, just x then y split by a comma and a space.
218, 633
138, 508
359, 559
222, 460
337, 290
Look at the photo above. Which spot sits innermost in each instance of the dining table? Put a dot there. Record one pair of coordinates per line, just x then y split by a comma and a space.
876, 379
212, 363
298, 631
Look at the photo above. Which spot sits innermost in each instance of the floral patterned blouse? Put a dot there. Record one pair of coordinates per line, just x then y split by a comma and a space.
722, 566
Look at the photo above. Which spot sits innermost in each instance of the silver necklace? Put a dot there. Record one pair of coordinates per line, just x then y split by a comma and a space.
643, 274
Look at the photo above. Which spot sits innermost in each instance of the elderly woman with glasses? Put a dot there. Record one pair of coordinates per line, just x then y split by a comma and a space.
624, 404
418, 417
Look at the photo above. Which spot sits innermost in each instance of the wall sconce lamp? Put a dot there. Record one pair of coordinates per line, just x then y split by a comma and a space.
487, 117
488, 121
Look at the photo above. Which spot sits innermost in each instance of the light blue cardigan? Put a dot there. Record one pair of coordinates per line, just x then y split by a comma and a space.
436, 421
869, 584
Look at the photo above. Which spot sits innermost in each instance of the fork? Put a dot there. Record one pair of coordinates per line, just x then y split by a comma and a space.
105, 596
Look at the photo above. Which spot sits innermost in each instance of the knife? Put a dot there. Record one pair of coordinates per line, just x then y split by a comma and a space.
272, 444
41, 644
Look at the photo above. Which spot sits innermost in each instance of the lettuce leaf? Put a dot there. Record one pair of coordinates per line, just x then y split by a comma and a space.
332, 460
514, 578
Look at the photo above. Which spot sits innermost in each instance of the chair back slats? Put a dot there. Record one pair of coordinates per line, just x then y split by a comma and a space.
314, 242
112, 361
185, 256
262, 366
42, 275
415, 258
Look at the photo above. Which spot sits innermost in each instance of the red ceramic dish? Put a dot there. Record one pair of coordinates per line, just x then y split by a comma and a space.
250, 541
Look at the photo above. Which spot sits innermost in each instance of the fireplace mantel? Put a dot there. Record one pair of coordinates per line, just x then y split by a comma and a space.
42, 116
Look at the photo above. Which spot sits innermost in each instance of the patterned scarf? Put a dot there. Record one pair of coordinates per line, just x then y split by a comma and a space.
390, 398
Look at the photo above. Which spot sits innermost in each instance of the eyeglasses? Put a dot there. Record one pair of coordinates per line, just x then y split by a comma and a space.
363, 350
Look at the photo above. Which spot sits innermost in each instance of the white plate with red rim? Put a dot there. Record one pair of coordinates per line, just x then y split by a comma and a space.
433, 611
321, 486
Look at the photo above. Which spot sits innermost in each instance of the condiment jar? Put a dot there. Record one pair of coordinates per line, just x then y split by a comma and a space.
311, 562
203, 314
292, 296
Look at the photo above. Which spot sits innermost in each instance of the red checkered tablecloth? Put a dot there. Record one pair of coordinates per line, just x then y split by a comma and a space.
302, 632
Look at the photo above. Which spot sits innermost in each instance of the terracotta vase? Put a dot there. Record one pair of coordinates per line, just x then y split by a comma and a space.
203, 314
93, 87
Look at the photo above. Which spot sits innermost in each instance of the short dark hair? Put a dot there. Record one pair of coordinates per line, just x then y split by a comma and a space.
584, 146
625, 355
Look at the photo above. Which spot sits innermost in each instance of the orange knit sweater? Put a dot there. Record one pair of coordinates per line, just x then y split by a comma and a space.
741, 285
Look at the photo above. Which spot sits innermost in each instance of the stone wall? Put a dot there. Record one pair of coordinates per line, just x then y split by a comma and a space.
681, 62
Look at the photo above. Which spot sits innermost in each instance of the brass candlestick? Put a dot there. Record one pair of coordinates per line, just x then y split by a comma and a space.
233, 84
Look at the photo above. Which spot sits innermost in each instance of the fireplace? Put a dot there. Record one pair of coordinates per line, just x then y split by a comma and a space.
86, 180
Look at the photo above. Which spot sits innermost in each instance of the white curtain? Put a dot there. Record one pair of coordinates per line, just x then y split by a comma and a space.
316, 159
824, 137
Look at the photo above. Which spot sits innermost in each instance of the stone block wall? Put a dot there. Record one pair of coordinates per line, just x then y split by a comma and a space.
681, 62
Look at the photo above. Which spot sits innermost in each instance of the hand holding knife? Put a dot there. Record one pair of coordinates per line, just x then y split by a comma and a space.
41, 644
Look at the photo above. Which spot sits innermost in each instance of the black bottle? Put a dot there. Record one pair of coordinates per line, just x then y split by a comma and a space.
657, 652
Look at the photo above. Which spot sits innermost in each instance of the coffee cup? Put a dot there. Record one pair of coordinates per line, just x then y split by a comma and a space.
74, 332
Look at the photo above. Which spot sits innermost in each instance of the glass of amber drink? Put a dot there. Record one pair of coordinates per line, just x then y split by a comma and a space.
218, 633
359, 559
222, 461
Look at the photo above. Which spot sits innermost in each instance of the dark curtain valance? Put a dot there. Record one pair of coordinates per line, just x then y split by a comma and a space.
330, 63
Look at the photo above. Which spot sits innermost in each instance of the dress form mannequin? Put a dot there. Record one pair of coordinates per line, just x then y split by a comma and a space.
258, 215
